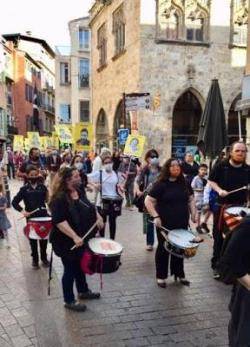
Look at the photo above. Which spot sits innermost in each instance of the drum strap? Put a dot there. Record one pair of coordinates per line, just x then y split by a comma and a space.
50, 270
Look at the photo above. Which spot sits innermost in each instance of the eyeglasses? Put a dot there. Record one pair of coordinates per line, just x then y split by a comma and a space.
107, 162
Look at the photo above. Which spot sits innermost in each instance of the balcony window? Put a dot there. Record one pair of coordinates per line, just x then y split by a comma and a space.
28, 93
102, 45
84, 110
119, 29
83, 73
84, 38
64, 73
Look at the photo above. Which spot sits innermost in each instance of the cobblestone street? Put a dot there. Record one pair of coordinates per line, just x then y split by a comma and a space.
132, 311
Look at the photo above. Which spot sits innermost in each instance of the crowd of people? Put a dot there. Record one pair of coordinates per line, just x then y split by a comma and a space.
168, 197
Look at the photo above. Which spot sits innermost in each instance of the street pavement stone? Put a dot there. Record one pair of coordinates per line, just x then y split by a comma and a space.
132, 310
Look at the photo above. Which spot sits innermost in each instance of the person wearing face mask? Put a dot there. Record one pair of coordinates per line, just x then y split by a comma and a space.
34, 160
66, 159
128, 170
143, 183
53, 164
77, 162
109, 202
34, 195
72, 216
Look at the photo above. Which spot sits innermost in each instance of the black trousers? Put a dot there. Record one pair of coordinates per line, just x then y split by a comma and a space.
218, 240
72, 274
111, 217
11, 170
34, 249
162, 261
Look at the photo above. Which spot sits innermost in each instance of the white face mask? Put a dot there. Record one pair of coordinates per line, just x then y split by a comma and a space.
108, 167
154, 161
79, 166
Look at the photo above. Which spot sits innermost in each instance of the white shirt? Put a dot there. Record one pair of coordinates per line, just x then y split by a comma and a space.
109, 184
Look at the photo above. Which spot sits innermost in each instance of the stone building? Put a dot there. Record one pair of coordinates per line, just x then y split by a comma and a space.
73, 75
171, 49
34, 78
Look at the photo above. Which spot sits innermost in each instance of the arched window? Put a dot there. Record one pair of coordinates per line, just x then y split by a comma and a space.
239, 22
195, 29
172, 26
102, 131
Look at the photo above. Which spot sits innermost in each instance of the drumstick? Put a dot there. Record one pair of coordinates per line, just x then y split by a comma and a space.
30, 213
237, 190
84, 237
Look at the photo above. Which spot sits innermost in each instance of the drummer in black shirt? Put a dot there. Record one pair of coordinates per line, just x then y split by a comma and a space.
72, 216
228, 175
34, 195
170, 202
235, 264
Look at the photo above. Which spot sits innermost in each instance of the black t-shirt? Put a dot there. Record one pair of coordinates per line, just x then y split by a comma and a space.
230, 178
190, 170
80, 215
172, 203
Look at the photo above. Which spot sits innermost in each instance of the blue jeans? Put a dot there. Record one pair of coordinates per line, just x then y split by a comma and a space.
72, 273
148, 229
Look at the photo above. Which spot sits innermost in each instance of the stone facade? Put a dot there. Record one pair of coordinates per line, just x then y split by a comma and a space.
166, 68
72, 92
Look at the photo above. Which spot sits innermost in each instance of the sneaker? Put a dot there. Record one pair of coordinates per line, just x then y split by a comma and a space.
75, 306
199, 230
149, 248
205, 227
161, 283
35, 264
89, 295
216, 275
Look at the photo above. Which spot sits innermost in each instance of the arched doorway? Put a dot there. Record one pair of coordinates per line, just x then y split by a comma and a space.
120, 121
233, 125
102, 130
186, 119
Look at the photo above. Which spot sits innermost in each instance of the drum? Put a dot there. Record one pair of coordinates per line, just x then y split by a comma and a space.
180, 242
38, 228
233, 216
101, 256
112, 205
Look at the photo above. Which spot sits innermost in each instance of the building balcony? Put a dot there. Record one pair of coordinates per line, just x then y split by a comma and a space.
49, 108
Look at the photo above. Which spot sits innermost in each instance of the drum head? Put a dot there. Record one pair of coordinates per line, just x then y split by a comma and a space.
181, 238
40, 219
236, 210
105, 247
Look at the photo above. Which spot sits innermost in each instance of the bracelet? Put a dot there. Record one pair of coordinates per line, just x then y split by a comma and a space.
156, 217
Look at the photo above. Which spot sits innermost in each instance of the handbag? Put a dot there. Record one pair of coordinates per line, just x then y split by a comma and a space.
110, 206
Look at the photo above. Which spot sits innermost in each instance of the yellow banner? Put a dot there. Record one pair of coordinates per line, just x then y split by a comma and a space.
64, 132
83, 136
135, 145
27, 144
18, 143
34, 139
55, 140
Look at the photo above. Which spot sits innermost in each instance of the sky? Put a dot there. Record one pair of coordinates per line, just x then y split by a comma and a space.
46, 19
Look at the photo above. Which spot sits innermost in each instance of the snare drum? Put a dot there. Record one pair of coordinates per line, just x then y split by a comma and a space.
38, 228
233, 216
112, 205
101, 256
180, 243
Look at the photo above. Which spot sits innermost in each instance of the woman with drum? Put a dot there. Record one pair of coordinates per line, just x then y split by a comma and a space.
34, 195
109, 202
170, 202
143, 183
72, 217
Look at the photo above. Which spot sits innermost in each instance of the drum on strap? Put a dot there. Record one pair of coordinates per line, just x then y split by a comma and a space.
101, 256
233, 215
112, 205
38, 228
181, 243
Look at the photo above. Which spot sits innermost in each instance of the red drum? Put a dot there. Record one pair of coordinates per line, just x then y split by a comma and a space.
101, 256
38, 228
